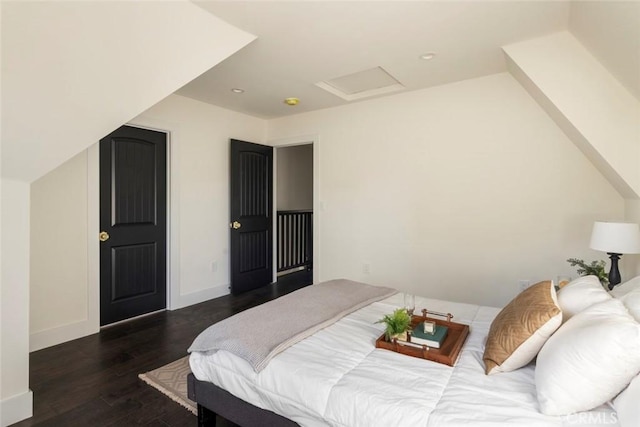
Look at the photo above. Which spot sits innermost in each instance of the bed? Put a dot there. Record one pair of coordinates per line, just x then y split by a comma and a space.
337, 377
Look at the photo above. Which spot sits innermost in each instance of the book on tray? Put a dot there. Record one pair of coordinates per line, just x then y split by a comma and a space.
419, 336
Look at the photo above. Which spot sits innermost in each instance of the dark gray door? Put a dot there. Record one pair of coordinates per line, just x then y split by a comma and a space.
133, 223
251, 190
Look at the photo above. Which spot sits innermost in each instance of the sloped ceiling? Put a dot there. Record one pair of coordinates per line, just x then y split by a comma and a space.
74, 71
587, 102
611, 32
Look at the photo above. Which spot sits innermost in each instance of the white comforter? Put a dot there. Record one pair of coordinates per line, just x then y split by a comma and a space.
337, 377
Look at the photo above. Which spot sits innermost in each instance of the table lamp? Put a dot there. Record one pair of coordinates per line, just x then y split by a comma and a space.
615, 238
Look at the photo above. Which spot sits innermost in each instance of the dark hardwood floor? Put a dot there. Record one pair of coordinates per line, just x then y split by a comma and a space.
93, 381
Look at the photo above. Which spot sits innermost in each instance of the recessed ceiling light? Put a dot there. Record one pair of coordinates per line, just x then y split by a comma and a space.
427, 56
237, 90
291, 101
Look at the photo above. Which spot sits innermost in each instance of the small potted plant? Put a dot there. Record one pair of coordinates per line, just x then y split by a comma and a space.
596, 268
397, 324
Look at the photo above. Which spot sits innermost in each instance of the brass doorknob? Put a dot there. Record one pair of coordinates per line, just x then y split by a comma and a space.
103, 236
235, 225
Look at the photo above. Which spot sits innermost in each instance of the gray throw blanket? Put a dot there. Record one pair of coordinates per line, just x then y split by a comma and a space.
260, 333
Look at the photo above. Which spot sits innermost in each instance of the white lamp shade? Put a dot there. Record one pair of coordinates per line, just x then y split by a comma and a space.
615, 237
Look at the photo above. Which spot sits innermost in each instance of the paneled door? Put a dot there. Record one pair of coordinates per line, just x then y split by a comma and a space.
251, 225
133, 223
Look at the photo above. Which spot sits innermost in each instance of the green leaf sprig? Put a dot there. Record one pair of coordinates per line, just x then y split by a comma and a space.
396, 323
596, 268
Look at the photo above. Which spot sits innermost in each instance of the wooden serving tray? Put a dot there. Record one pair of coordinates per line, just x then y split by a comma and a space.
447, 353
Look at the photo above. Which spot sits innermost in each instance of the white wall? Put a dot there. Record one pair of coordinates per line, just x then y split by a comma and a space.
200, 136
58, 267
294, 178
15, 396
454, 192
630, 264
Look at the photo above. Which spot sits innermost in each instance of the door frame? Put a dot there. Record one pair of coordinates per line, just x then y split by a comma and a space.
93, 226
318, 206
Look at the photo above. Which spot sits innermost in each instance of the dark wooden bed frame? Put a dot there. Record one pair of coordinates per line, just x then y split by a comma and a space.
212, 401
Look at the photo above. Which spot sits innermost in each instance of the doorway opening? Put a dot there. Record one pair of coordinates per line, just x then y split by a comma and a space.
294, 209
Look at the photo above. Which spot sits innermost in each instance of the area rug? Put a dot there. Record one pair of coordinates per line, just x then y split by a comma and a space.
171, 380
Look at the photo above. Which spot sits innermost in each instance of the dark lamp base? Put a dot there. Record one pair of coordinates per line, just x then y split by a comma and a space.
614, 273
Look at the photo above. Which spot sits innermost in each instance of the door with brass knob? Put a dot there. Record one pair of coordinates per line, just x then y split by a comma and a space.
251, 194
133, 224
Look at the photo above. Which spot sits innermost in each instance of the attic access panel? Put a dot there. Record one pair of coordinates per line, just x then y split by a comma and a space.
363, 84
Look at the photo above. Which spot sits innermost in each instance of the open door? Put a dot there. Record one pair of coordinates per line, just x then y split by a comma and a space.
251, 200
133, 223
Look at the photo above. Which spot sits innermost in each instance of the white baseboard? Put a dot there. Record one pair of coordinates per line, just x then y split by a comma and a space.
55, 336
197, 297
72, 331
16, 408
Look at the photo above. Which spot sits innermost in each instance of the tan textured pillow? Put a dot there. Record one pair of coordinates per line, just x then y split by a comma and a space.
520, 330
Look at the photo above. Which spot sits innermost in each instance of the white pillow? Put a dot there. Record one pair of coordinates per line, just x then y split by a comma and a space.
626, 287
589, 360
626, 404
581, 293
631, 300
